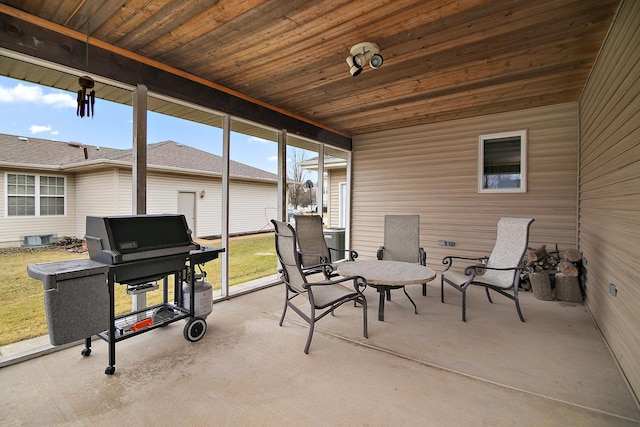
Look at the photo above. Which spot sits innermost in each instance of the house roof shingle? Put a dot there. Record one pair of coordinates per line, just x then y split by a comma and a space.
48, 153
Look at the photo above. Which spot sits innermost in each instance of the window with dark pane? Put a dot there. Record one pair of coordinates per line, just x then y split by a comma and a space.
502, 162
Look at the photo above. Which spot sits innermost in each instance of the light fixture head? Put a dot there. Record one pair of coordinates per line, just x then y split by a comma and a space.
354, 68
359, 60
361, 54
376, 61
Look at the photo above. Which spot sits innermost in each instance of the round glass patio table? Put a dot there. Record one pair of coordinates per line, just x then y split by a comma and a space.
387, 275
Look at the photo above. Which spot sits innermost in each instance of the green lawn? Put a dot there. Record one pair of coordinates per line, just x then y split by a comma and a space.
22, 314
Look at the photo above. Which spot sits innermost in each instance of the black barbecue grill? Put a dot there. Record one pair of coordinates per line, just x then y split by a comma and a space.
136, 251
141, 248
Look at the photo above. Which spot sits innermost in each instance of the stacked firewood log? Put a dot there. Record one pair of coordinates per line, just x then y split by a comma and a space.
567, 279
569, 263
541, 265
538, 260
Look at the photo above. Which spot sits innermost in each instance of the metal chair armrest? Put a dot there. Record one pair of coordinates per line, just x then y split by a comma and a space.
423, 256
352, 254
359, 283
448, 260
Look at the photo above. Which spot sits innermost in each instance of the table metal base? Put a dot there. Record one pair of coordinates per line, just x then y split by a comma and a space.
385, 290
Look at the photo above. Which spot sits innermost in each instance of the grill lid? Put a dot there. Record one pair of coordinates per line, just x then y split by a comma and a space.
121, 239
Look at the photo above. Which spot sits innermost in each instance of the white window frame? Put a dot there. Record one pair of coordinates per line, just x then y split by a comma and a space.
482, 139
342, 204
37, 196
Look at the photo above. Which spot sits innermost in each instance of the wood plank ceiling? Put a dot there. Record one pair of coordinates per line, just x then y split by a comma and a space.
443, 59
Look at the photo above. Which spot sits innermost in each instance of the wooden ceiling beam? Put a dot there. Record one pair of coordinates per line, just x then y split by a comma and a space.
536, 92
170, 17
338, 33
440, 54
506, 67
190, 36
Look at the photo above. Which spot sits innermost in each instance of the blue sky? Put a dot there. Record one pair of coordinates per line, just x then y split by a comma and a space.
42, 112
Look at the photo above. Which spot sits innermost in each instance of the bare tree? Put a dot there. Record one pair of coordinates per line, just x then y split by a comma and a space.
296, 177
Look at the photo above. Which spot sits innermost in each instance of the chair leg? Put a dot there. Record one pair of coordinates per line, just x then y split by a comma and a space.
464, 305
517, 300
284, 311
441, 289
424, 289
312, 322
364, 317
488, 296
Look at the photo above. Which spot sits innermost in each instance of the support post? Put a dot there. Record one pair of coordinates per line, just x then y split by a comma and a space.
226, 143
282, 175
139, 166
139, 171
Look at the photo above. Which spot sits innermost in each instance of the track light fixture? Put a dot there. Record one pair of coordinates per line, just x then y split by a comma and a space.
361, 54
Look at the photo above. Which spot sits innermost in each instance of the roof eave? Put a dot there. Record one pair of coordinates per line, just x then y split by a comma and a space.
101, 164
29, 166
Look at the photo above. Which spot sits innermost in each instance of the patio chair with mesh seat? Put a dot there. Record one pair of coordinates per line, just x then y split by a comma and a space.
499, 272
324, 296
313, 249
402, 242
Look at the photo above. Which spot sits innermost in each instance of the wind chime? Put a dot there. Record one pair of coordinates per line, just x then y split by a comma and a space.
86, 99
86, 94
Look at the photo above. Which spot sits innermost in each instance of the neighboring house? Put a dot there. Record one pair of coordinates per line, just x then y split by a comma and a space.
335, 187
50, 187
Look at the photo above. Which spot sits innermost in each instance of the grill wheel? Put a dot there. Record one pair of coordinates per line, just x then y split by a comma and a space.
195, 329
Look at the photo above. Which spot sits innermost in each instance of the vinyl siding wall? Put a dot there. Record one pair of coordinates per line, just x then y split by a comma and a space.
431, 170
252, 205
108, 192
609, 221
336, 176
97, 192
124, 200
163, 198
249, 201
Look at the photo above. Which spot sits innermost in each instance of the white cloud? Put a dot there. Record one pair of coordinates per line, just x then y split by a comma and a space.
35, 94
55, 132
259, 140
39, 129
273, 159
60, 100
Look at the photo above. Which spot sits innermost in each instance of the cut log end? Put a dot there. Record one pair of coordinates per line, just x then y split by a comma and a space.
572, 255
570, 270
539, 254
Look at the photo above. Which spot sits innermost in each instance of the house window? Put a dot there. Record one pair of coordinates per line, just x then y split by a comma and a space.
35, 195
502, 162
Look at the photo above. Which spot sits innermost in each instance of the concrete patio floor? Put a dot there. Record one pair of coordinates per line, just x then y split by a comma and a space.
429, 369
